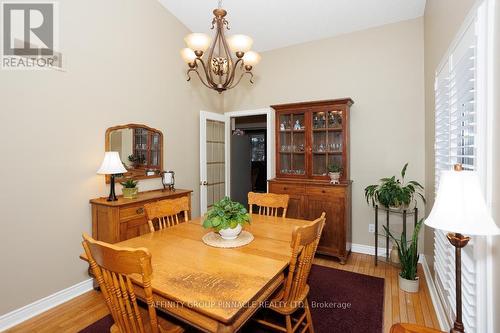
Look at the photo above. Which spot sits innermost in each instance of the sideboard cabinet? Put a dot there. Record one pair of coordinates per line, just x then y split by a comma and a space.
116, 221
310, 138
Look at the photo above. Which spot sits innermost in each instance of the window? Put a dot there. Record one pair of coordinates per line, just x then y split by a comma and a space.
461, 136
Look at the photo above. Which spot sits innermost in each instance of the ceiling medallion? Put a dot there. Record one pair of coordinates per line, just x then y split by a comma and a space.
225, 59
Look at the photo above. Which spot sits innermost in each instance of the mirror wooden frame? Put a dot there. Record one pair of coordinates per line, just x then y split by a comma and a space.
107, 147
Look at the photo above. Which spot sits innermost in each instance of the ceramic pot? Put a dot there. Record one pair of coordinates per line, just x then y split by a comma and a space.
230, 233
334, 177
410, 286
130, 193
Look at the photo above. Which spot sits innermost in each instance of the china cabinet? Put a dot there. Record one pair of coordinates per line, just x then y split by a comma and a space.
312, 137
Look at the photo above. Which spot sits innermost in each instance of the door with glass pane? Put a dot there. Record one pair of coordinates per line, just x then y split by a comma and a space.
327, 141
291, 144
212, 159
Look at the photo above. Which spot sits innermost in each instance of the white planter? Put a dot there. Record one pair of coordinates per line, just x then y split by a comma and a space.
410, 286
230, 233
334, 177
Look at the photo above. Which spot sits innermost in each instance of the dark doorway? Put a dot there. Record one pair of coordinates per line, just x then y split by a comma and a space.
248, 156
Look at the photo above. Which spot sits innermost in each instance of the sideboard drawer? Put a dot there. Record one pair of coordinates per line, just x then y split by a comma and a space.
323, 190
286, 188
132, 212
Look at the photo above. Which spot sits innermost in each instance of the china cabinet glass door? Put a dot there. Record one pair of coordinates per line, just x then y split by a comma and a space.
292, 144
327, 137
141, 146
155, 151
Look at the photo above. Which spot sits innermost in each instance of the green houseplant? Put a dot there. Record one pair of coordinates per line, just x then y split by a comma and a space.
334, 172
393, 192
408, 257
130, 189
227, 217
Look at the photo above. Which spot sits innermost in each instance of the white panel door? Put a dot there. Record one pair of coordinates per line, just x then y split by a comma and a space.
212, 159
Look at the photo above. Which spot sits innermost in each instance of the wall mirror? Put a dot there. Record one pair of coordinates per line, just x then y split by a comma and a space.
140, 148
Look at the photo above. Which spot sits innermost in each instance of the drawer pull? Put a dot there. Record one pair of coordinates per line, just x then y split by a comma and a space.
140, 210
323, 191
285, 188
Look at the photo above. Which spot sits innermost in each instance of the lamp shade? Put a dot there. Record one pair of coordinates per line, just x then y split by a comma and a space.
198, 41
251, 58
111, 164
460, 206
188, 55
240, 43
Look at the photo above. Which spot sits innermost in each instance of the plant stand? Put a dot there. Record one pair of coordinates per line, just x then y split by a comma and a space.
404, 213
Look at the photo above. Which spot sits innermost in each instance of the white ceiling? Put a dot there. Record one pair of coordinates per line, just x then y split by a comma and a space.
279, 23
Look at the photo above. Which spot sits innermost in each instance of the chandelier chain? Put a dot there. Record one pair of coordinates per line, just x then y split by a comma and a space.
220, 4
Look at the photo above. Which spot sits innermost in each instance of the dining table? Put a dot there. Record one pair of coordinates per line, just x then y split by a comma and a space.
215, 289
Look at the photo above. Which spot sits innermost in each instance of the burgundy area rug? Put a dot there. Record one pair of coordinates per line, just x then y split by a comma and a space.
340, 301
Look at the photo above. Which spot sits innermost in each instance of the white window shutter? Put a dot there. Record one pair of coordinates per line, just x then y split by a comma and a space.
455, 142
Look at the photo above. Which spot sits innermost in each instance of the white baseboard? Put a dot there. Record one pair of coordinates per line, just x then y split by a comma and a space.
367, 249
19, 315
441, 316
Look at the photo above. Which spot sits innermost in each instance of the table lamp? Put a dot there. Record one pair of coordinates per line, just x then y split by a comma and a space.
460, 209
111, 165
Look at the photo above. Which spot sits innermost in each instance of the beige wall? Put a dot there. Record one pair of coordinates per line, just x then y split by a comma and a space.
442, 20
381, 69
122, 66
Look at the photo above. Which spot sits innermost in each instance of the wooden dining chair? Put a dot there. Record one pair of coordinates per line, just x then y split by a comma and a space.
268, 203
166, 212
293, 294
112, 266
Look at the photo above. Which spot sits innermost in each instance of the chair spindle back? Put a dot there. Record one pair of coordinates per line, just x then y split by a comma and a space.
304, 244
111, 266
166, 212
268, 203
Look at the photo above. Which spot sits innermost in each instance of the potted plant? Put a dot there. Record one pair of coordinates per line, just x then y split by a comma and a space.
393, 192
408, 257
226, 217
130, 189
334, 172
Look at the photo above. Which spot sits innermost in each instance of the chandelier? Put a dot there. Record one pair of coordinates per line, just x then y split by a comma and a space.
227, 60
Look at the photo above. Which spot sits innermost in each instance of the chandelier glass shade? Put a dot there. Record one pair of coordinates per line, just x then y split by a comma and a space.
221, 63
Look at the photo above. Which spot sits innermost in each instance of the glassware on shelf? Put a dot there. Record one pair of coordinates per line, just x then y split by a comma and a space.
297, 126
323, 121
335, 119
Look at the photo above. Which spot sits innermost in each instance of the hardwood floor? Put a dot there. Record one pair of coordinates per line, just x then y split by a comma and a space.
399, 306
71, 316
